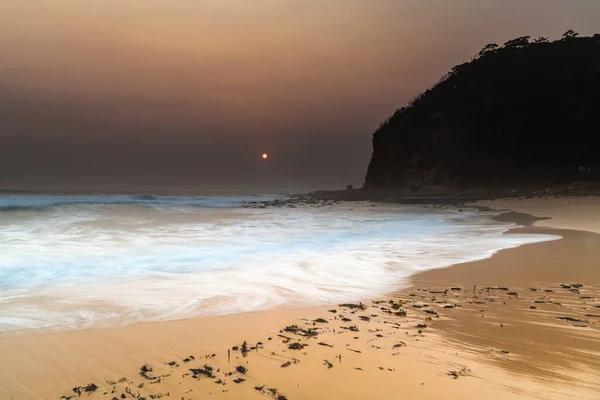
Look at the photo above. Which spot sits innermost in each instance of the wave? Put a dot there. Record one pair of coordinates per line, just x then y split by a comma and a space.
119, 265
145, 197
13, 203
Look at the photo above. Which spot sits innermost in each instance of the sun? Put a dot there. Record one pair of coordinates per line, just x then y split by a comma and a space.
265, 156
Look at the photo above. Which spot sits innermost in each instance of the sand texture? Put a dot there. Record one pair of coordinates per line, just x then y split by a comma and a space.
523, 324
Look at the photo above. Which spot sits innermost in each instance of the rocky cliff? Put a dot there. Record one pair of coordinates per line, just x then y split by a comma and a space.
521, 113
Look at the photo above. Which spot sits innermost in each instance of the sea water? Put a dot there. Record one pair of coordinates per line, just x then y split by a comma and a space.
78, 261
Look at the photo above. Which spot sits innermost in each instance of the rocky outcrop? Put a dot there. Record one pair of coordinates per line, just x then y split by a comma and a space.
523, 113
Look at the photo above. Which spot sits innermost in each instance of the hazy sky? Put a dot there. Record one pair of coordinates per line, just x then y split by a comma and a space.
190, 93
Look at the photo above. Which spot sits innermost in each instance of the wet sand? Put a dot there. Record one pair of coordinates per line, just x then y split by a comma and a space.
577, 213
522, 324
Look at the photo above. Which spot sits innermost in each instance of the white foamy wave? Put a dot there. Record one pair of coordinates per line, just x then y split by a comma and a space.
75, 267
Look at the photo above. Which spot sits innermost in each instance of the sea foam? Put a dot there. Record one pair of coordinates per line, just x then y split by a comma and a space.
79, 261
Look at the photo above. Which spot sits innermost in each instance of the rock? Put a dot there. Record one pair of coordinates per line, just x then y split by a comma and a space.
145, 373
292, 328
206, 371
571, 319
446, 139
297, 346
241, 369
352, 328
359, 306
325, 344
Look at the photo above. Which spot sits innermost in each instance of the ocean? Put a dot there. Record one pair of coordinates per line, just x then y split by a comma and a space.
74, 262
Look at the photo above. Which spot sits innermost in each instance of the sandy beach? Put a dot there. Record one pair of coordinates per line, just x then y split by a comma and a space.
524, 323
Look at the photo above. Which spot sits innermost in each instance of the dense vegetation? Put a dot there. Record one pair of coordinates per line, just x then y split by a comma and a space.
524, 112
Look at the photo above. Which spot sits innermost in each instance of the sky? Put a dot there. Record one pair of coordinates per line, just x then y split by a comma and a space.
188, 94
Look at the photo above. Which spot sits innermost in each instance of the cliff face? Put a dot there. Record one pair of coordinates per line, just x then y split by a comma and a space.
525, 112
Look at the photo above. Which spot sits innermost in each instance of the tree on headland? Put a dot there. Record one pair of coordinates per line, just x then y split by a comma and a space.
517, 43
570, 34
488, 49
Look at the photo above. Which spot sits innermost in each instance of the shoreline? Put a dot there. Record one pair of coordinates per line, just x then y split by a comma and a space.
481, 354
359, 272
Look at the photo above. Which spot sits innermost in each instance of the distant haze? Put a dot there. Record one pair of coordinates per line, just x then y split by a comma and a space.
183, 94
